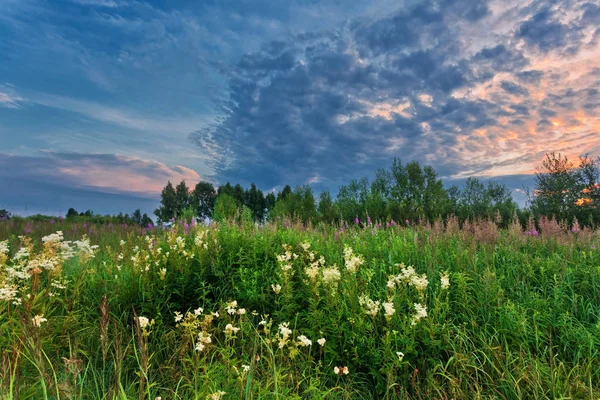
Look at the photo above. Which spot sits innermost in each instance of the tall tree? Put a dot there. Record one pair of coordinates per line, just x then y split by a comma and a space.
203, 199
226, 207
239, 194
168, 204
182, 194
326, 208
255, 201
556, 187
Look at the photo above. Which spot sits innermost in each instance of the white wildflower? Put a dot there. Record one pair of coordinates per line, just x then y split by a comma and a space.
304, 341
389, 309
231, 307
276, 288
216, 395
178, 316
230, 330
38, 320
321, 342
331, 275
445, 280
420, 313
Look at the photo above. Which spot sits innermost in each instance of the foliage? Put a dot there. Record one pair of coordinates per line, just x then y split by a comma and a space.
294, 312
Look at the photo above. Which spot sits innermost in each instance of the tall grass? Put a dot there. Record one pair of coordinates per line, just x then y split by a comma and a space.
237, 312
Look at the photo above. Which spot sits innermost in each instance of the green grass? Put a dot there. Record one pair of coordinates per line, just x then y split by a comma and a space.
520, 319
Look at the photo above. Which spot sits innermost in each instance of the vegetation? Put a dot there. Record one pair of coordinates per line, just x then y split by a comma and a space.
287, 310
406, 193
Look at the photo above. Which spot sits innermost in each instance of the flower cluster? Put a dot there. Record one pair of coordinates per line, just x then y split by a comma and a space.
408, 275
371, 307
352, 260
420, 313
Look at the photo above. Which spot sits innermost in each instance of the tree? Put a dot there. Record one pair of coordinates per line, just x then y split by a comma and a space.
71, 212
137, 217
182, 198
270, 200
326, 209
203, 199
239, 194
4, 214
168, 201
226, 207
255, 201
287, 190
556, 187
146, 220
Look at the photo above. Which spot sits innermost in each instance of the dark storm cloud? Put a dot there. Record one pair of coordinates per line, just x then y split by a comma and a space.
314, 110
328, 107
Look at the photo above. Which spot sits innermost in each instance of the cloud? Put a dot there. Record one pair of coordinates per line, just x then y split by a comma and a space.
342, 103
107, 173
8, 98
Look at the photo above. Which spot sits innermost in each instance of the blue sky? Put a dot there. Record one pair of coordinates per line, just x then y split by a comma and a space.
103, 101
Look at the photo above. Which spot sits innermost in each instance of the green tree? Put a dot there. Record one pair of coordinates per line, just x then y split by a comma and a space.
168, 204
326, 209
255, 201
203, 199
556, 187
182, 197
71, 212
137, 217
226, 207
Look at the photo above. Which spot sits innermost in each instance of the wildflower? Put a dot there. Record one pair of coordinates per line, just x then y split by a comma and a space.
286, 267
304, 341
8, 293
245, 368
230, 330
341, 370
38, 320
312, 271
241, 311
285, 334
198, 311
372, 307
144, 322
163, 274
199, 347
204, 337
331, 275
419, 282
231, 306
178, 316
352, 261
389, 310
421, 312
276, 288
400, 355
321, 342
445, 280
216, 395
122, 242
305, 246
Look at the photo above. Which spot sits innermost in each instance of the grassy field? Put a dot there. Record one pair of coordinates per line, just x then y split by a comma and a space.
283, 312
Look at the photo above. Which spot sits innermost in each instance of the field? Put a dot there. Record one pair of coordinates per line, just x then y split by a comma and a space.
283, 311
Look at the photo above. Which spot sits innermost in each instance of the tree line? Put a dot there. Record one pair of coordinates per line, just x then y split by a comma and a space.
403, 193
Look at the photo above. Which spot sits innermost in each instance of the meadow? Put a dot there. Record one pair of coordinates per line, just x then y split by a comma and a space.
285, 311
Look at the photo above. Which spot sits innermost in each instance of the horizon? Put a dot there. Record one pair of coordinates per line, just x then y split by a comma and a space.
104, 101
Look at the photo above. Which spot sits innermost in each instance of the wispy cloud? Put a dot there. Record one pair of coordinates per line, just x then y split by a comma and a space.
9, 99
108, 173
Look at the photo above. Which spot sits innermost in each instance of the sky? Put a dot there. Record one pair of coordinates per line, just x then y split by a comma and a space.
103, 101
